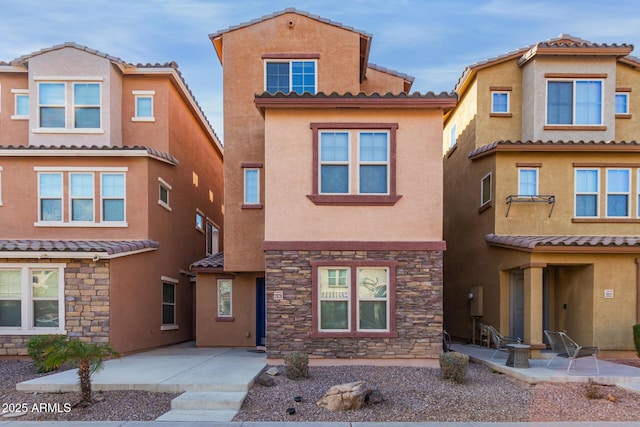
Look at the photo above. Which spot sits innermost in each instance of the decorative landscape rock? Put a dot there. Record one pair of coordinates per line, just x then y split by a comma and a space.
273, 371
373, 397
345, 397
265, 380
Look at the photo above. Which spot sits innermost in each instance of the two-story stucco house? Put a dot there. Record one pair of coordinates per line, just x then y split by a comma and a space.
333, 198
111, 185
542, 184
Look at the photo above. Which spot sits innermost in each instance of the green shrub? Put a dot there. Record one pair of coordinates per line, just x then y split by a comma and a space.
453, 366
636, 338
297, 365
39, 345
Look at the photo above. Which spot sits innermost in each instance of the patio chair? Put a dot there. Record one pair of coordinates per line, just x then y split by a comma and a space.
563, 346
500, 341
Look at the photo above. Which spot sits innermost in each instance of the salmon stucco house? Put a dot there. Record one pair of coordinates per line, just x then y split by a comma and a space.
111, 185
542, 185
333, 198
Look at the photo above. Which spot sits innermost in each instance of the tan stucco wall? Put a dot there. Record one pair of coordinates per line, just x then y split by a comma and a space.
378, 81
63, 65
241, 332
627, 129
291, 216
534, 87
243, 77
153, 134
464, 119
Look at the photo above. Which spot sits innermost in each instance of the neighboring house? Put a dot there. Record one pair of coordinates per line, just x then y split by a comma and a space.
110, 187
542, 194
333, 191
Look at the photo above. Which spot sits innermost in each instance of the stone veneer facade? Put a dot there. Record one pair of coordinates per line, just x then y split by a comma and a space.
86, 299
418, 313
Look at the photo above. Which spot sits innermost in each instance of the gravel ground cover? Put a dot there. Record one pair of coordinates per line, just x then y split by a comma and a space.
411, 394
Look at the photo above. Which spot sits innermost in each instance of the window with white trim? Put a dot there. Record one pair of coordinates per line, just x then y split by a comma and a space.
143, 105
618, 192
587, 193
78, 109
500, 101
290, 76
527, 181
622, 103
0, 185
163, 193
32, 299
225, 298
251, 186
21, 104
74, 196
168, 303
485, 189
212, 238
199, 221
574, 102
453, 135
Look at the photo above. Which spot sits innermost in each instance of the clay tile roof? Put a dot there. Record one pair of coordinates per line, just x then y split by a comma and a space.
391, 72
151, 151
553, 145
113, 59
531, 242
282, 12
110, 247
360, 95
215, 261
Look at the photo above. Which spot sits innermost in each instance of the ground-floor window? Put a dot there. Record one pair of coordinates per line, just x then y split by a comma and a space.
224, 299
169, 303
356, 299
31, 298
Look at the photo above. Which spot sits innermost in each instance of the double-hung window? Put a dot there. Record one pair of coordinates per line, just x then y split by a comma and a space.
334, 163
290, 76
225, 306
373, 162
81, 196
50, 197
574, 102
31, 299
527, 182
353, 299
587, 192
70, 105
251, 186
485, 189
169, 320
113, 196
212, 239
618, 192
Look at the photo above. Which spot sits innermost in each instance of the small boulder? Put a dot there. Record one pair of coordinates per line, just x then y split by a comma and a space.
273, 371
265, 380
375, 396
344, 397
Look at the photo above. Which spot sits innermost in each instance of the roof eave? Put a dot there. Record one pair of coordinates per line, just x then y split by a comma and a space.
444, 103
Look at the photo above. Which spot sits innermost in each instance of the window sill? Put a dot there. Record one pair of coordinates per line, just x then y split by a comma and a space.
225, 319
169, 327
68, 130
42, 331
575, 127
623, 116
143, 119
354, 200
486, 206
501, 115
114, 224
19, 117
252, 206
164, 205
451, 150
605, 220
357, 334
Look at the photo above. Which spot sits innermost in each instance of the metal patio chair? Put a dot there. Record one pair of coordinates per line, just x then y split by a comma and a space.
563, 346
500, 341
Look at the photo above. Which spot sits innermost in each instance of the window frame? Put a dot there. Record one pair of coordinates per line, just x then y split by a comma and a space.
625, 95
361, 163
586, 193
27, 312
73, 197
219, 315
574, 102
245, 201
212, 235
484, 202
61, 198
618, 193
290, 61
103, 198
76, 107
162, 184
20, 93
453, 137
200, 221
143, 94
42, 105
354, 197
493, 101
169, 281
537, 180
353, 329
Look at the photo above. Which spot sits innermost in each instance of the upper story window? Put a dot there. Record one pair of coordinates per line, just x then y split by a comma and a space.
199, 220
290, 76
143, 105
587, 192
21, 103
453, 135
527, 181
0, 185
80, 198
500, 101
251, 186
485, 189
163, 193
69, 105
574, 102
622, 103
618, 192
212, 238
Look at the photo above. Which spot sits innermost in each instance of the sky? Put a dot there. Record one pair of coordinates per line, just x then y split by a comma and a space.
431, 40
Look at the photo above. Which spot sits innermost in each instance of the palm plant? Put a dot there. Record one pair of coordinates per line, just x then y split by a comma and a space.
89, 358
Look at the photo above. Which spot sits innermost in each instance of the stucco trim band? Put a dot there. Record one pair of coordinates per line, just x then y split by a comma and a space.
271, 245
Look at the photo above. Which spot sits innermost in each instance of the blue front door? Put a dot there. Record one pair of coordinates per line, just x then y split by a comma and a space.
261, 313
